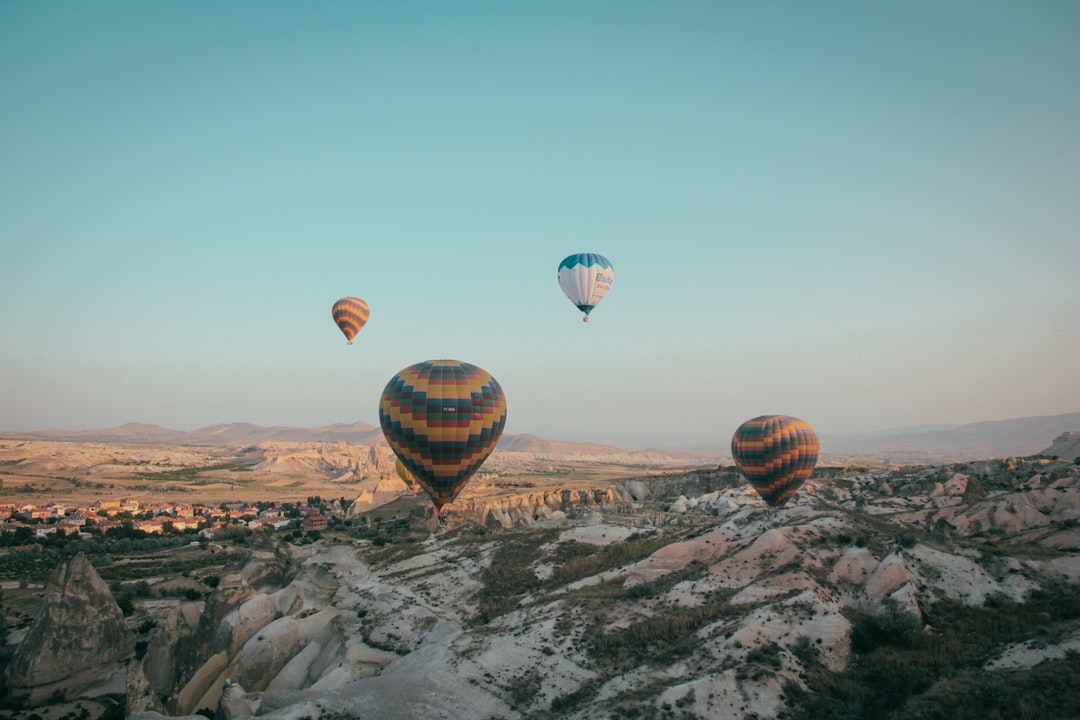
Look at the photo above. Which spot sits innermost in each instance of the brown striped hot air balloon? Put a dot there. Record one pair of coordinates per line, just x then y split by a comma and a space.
776, 453
350, 314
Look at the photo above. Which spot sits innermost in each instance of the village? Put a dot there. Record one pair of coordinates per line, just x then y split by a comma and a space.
26, 523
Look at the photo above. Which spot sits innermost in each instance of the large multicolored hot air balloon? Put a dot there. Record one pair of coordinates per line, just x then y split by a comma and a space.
350, 314
776, 453
442, 418
586, 278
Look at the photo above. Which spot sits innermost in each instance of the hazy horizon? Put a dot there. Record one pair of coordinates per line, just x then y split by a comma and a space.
864, 216
880, 436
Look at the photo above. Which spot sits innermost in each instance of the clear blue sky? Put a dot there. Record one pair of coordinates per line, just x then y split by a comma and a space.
866, 215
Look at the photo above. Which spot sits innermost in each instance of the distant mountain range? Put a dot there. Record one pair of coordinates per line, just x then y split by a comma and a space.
235, 434
225, 435
1000, 438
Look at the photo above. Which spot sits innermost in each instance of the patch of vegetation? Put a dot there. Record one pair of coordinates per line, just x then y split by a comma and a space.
611, 589
994, 544
662, 638
510, 575
1047, 691
564, 704
136, 567
576, 560
899, 672
638, 703
523, 688
188, 474
390, 550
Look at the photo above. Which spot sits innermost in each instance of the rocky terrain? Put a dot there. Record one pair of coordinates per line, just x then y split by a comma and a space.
663, 594
53, 470
1065, 446
215, 438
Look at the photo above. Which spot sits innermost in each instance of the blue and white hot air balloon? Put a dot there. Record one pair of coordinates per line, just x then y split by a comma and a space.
586, 278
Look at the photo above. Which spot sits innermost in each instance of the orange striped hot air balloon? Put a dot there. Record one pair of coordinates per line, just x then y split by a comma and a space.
776, 453
350, 314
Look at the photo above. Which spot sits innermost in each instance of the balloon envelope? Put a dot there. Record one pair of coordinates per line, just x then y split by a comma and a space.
350, 314
586, 279
442, 418
776, 453
406, 475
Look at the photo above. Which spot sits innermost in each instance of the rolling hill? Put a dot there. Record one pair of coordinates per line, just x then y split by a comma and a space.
939, 443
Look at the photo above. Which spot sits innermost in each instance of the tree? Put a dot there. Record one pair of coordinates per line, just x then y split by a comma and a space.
127, 605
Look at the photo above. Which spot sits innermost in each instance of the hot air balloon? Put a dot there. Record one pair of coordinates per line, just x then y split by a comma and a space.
442, 418
586, 278
350, 314
776, 453
404, 473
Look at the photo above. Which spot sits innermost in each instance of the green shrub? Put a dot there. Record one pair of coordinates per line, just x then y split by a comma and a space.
900, 673
659, 638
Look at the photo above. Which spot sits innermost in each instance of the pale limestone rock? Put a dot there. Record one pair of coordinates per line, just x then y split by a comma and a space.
772, 587
1014, 518
524, 508
854, 567
680, 505
1065, 482
377, 492
675, 556
829, 632
140, 695
638, 490
247, 620
204, 689
235, 703
955, 577
907, 599
602, 534
173, 638
1026, 655
78, 641
888, 577
1069, 567
956, 485
770, 550
262, 660
325, 458
723, 695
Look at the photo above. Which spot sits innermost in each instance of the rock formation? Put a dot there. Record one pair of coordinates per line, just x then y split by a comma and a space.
1066, 446
78, 644
337, 459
